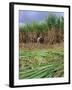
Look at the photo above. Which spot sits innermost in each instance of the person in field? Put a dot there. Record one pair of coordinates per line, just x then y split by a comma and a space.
40, 39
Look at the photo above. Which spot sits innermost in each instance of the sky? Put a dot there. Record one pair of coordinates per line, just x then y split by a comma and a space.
27, 16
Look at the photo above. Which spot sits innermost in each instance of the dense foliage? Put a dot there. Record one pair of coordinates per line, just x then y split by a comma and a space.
48, 23
51, 29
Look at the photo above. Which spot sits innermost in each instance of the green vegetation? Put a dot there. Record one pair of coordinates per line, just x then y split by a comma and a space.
51, 29
37, 57
41, 63
52, 21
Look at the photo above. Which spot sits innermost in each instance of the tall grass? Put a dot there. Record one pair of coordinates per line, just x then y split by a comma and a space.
50, 26
52, 21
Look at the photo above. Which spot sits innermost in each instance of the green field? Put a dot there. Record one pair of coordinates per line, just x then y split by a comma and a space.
41, 63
